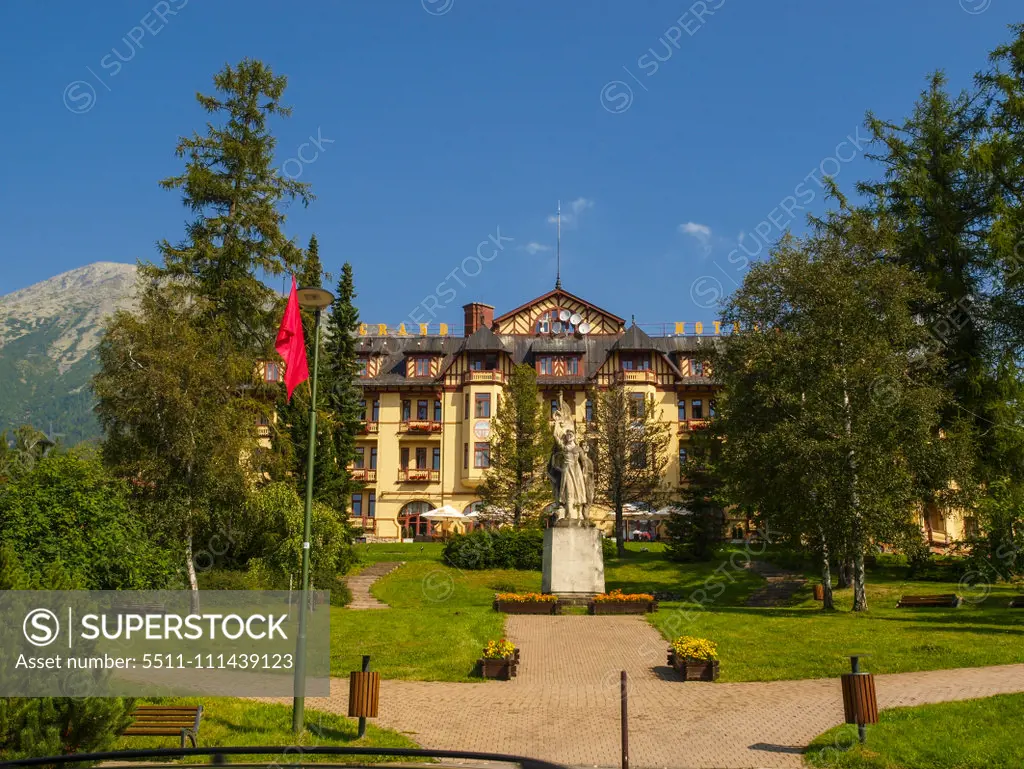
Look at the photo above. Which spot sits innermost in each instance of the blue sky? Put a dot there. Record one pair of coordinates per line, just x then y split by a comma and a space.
665, 130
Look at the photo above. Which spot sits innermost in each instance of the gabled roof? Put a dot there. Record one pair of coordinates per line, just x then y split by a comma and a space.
558, 293
483, 340
634, 339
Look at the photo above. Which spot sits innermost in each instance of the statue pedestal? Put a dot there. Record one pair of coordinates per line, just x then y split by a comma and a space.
573, 564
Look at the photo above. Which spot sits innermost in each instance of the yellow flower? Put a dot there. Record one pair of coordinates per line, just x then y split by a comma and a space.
525, 597
499, 650
618, 595
699, 649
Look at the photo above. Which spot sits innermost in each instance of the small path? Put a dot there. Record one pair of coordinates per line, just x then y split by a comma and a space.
360, 584
782, 585
564, 704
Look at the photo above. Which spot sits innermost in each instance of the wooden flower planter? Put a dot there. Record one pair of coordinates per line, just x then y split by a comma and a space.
694, 670
501, 670
622, 607
527, 607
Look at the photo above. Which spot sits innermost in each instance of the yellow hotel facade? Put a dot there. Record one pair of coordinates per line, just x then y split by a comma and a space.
429, 399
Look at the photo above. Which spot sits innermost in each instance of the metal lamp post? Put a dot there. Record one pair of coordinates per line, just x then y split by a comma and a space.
316, 299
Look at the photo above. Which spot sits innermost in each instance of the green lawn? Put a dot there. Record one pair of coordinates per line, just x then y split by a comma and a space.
952, 735
400, 551
441, 618
231, 721
801, 641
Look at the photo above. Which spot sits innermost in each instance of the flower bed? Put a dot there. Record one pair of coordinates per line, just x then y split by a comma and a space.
617, 602
526, 603
694, 659
500, 660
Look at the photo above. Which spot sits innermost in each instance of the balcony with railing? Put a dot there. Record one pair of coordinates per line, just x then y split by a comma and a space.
482, 376
418, 475
263, 431
369, 428
636, 376
689, 425
364, 474
420, 426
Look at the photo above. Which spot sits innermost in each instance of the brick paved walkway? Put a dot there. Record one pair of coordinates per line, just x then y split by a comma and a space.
360, 584
564, 705
781, 585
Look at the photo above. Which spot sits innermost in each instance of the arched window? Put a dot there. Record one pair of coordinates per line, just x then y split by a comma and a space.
409, 517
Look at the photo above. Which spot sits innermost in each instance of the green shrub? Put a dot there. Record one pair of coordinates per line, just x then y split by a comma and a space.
501, 549
68, 508
226, 579
608, 548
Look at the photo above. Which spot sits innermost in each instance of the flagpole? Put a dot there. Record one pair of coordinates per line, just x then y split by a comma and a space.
299, 703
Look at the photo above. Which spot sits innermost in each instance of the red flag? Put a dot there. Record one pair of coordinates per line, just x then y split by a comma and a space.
291, 345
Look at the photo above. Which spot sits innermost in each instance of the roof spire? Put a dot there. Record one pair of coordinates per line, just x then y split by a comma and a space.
558, 249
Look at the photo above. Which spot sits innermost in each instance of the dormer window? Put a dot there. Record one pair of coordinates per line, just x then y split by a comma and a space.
572, 366
551, 322
635, 362
696, 367
362, 367
422, 366
545, 365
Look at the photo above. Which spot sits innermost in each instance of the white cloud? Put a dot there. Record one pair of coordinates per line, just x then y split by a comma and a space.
535, 248
575, 208
699, 231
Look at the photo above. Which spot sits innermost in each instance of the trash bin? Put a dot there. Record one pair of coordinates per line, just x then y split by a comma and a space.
363, 694
860, 705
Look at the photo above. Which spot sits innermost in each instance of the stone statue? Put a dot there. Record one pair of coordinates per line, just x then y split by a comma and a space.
571, 472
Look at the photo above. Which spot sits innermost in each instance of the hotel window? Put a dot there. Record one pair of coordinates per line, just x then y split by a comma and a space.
465, 456
682, 458
436, 459
696, 367
423, 367
362, 367
360, 456
590, 410
437, 411
404, 457
406, 411
697, 409
262, 420
626, 363
371, 505
271, 372
482, 455
467, 406
637, 405
362, 409
554, 406
572, 366
421, 457
544, 365
357, 505
682, 411
373, 457
376, 411
638, 457
712, 408
483, 405
421, 410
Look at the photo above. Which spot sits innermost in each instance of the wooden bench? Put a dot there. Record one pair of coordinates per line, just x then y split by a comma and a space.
950, 601
166, 721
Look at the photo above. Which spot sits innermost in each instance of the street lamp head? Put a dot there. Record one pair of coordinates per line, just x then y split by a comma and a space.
315, 298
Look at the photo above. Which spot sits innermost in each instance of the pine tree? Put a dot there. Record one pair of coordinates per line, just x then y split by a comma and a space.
230, 182
629, 445
344, 395
515, 486
695, 527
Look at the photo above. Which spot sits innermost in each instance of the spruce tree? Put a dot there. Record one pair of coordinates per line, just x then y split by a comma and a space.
230, 183
695, 527
516, 488
344, 395
329, 477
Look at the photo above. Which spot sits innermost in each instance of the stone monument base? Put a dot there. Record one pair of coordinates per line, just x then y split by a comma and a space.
573, 563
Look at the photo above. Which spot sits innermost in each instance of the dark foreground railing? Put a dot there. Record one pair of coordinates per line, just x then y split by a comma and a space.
293, 755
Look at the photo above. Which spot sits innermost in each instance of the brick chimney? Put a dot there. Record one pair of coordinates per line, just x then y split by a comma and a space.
477, 316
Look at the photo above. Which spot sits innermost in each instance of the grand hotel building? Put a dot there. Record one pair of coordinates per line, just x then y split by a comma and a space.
429, 398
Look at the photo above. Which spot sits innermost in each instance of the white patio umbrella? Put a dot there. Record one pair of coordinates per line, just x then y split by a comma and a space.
445, 511
665, 512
